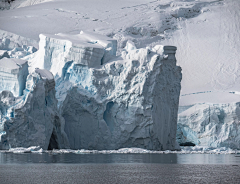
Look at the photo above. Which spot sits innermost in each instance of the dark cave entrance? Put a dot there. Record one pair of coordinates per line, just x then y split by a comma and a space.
187, 144
53, 143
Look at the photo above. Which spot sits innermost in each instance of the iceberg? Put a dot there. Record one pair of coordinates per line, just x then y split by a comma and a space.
109, 101
32, 119
13, 75
210, 125
80, 95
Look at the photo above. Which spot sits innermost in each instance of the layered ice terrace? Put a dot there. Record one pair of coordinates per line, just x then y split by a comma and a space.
85, 49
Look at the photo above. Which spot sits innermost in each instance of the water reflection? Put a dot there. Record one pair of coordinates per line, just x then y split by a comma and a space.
13, 158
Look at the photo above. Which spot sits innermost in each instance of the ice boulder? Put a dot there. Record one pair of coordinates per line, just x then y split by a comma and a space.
211, 125
32, 119
13, 74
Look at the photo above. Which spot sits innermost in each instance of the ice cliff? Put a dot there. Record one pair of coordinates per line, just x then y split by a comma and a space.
211, 125
108, 101
32, 119
13, 74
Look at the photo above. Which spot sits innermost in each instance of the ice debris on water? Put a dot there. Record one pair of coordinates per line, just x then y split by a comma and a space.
184, 150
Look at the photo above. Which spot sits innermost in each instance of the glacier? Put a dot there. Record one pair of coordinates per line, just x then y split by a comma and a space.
106, 102
32, 119
210, 125
109, 101
189, 25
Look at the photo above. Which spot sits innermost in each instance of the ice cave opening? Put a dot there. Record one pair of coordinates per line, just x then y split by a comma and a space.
53, 144
187, 144
107, 116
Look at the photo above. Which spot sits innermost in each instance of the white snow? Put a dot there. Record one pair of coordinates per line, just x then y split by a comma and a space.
210, 51
45, 74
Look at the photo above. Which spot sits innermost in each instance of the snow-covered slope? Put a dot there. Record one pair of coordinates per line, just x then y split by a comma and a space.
210, 57
205, 31
12, 4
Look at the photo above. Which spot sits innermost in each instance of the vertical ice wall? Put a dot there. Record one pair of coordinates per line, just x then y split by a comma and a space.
13, 74
32, 119
55, 51
129, 102
211, 125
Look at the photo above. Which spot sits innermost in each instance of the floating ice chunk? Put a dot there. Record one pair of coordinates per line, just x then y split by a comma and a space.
26, 150
185, 150
13, 74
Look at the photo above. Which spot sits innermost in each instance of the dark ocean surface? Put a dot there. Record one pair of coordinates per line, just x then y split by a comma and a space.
119, 168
